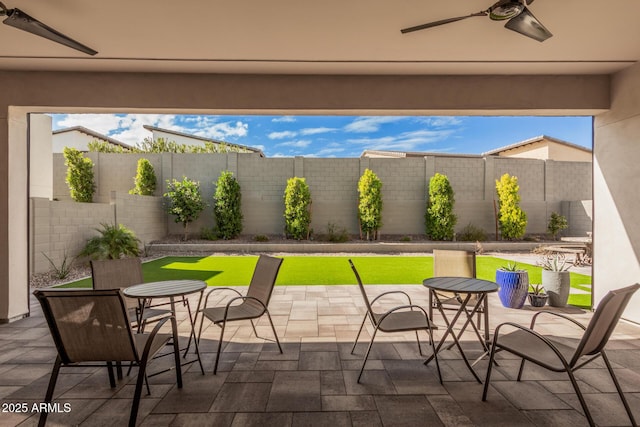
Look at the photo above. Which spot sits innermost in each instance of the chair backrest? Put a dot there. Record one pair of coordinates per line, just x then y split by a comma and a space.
88, 325
603, 322
117, 274
448, 263
263, 280
362, 290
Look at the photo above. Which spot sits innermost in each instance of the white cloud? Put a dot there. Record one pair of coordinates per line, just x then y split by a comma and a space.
370, 124
102, 123
406, 141
327, 152
222, 131
302, 143
315, 131
284, 119
441, 121
282, 135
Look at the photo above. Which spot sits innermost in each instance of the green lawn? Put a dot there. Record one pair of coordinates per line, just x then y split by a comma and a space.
326, 270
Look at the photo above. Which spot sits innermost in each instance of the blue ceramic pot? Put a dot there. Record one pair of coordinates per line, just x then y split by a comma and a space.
514, 287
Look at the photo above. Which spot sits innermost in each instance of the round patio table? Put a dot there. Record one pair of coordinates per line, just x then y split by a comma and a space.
172, 289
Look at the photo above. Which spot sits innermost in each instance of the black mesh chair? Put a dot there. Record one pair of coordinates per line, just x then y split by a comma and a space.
403, 318
566, 356
252, 306
93, 326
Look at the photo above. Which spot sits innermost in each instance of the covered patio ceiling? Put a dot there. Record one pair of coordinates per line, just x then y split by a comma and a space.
332, 37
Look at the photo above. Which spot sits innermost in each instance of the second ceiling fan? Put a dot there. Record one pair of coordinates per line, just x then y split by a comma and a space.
515, 12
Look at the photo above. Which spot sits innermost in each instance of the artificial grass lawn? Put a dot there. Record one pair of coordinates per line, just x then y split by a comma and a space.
328, 270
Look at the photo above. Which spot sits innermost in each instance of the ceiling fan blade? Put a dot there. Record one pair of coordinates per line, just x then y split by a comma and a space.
441, 22
18, 19
527, 24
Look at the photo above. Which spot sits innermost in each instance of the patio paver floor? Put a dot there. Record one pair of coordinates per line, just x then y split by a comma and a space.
314, 382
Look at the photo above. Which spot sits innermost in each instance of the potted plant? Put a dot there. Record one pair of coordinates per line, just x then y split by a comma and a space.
556, 278
514, 285
537, 295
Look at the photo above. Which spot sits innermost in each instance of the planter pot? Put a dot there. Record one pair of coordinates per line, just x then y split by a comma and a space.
514, 287
538, 300
557, 285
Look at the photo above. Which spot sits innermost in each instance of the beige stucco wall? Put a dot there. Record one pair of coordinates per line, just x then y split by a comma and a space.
73, 139
546, 149
538, 150
273, 94
616, 181
41, 158
563, 153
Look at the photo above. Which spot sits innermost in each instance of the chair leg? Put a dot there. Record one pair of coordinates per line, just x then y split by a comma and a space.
521, 370
52, 385
215, 366
435, 355
273, 328
359, 332
617, 384
254, 328
112, 378
419, 346
366, 355
135, 405
583, 402
176, 347
492, 356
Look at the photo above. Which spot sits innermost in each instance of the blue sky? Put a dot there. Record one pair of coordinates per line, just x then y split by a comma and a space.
342, 136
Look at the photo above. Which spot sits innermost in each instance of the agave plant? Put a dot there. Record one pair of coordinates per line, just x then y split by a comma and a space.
554, 262
114, 242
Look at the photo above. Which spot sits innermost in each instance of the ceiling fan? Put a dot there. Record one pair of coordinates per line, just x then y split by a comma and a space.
520, 19
20, 20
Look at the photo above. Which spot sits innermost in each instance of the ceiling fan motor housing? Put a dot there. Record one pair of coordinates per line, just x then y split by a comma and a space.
505, 9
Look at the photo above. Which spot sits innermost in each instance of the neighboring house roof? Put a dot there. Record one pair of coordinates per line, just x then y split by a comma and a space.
92, 133
404, 154
187, 135
540, 138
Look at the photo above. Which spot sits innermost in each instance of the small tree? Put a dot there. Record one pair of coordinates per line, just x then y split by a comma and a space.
512, 219
79, 175
370, 204
227, 207
440, 220
556, 224
145, 180
297, 212
184, 201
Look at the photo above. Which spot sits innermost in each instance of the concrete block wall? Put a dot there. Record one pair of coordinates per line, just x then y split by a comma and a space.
333, 184
579, 216
142, 214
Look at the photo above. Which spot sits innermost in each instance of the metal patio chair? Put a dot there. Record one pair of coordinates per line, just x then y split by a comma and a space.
252, 306
403, 318
122, 273
566, 356
93, 326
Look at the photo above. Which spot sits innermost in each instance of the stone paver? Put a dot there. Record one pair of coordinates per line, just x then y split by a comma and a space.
313, 383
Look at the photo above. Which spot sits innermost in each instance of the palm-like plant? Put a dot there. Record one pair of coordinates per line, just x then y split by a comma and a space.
114, 242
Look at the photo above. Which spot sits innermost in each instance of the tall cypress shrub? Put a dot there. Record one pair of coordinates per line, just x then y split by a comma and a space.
227, 206
511, 218
79, 175
440, 220
297, 208
370, 204
145, 180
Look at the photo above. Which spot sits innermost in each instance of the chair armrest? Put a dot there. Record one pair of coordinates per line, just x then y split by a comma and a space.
404, 307
388, 293
553, 313
206, 298
152, 335
540, 337
244, 298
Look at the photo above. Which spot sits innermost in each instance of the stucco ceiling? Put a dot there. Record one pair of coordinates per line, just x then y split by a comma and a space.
332, 36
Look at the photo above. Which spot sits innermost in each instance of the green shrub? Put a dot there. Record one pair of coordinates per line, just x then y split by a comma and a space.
369, 204
405, 239
440, 220
471, 233
227, 206
512, 219
261, 238
79, 175
114, 242
184, 201
105, 147
556, 224
145, 180
297, 212
336, 234
208, 233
